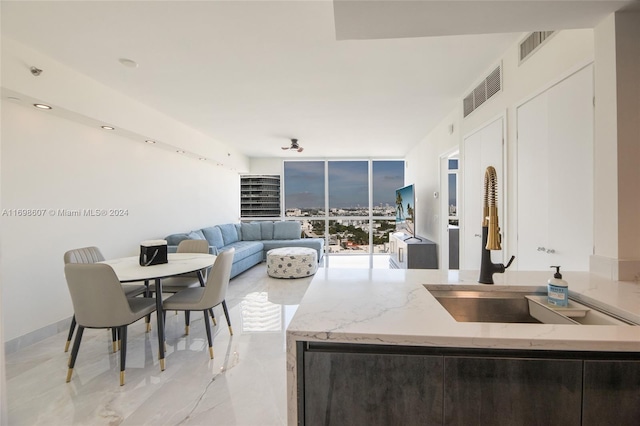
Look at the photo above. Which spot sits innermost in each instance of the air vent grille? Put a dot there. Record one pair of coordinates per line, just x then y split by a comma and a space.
493, 83
485, 90
533, 42
468, 104
480, 95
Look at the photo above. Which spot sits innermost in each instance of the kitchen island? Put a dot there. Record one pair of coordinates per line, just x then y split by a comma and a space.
382, 333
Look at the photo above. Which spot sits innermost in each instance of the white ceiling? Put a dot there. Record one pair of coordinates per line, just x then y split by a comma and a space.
255, 74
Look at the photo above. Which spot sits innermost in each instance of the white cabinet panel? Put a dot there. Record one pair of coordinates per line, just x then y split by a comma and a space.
555, 176
533, 183
481, 149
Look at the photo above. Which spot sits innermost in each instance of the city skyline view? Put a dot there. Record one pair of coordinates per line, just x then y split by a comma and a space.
304, 184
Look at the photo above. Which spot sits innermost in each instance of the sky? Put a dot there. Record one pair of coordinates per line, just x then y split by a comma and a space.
348, 183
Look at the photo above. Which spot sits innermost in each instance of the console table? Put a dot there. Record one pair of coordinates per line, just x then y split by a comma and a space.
408, 252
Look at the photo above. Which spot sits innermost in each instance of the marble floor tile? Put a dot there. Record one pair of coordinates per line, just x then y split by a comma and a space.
245, 384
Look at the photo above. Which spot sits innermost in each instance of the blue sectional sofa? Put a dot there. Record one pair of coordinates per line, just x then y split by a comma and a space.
252, 240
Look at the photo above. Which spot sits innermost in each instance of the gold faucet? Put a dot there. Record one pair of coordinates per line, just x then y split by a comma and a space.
490, 209
491, 238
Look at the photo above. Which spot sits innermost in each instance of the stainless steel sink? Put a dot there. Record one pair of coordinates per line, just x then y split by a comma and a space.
486, 306
515, 305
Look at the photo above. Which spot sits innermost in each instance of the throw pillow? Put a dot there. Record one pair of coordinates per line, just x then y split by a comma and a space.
289, 230
266, 229
196, 235
229, 233
214, 236
251, 231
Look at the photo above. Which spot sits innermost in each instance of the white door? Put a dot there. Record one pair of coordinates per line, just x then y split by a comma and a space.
555, 176
533, 185
483, 148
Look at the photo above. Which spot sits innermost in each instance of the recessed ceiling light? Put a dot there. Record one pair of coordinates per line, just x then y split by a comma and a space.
42, 106
108, 128
129, 63
150, 141
180, 151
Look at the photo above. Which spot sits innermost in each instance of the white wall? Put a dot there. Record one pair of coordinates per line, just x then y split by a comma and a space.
265, 166
566, 51
628, 93
617, 151
53, 163
423, 169
4, 411
605, 140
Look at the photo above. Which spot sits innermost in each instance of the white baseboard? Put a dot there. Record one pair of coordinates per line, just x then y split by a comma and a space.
36, 336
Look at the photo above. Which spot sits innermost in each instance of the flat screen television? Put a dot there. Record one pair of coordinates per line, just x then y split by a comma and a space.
406, 210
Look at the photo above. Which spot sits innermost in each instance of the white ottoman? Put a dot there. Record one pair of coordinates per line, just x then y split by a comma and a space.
292, 262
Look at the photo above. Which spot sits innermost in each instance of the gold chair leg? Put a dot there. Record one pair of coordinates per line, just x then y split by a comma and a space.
214, 321
211, 352
186, 330
162, 364
66, 346
122, 378
230, 330
115, 347
148, 327
69, 373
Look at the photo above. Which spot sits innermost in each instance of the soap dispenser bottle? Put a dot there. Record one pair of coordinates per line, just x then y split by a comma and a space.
557, 290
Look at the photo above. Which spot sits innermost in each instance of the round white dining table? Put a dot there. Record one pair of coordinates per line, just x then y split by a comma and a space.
128, 269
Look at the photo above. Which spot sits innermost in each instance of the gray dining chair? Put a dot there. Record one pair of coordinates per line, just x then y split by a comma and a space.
190, 280
205, 298
93, 255
99, 301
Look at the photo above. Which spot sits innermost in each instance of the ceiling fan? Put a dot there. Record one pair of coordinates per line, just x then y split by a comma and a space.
294, 146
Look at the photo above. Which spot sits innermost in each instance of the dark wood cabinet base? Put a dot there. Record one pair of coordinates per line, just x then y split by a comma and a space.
350, 384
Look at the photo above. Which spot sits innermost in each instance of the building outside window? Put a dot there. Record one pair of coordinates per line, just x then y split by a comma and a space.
259, 196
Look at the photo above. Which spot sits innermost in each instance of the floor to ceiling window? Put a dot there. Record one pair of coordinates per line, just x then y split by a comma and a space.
351, 203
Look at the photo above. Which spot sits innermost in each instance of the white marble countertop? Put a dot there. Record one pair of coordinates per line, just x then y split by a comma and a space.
392, 307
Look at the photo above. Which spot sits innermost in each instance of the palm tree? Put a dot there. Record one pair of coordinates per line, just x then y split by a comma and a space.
399, 207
